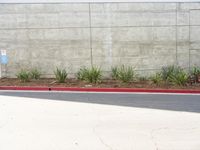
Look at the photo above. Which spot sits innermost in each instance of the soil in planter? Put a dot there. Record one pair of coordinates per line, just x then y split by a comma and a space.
104, 84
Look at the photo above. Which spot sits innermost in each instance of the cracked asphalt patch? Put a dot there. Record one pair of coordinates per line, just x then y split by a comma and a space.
33, 123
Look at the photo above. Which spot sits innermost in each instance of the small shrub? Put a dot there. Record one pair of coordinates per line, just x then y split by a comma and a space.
115, 73
35, 74
195, 72
23, 76
81, 75
126, 74
92, 75
156, 79
179, 77
61, 75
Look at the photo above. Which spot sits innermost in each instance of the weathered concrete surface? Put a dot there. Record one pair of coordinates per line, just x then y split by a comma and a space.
45, 124
144, 35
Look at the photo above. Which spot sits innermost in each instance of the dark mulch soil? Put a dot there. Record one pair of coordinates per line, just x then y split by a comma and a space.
104, 84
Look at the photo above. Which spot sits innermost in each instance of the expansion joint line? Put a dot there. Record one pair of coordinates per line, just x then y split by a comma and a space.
90, 27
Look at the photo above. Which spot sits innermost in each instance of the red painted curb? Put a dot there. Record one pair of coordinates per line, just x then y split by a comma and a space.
99, 89
26, 88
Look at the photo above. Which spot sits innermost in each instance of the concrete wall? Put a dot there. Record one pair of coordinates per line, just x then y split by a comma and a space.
144, 35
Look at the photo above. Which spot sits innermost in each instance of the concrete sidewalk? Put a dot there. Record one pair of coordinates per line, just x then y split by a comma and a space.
36, 124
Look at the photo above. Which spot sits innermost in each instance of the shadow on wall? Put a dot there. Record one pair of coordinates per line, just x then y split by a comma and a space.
188, 103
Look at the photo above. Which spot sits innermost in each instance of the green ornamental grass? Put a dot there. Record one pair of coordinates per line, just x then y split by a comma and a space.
179, 77
91, 75
35, 74
81, 75
166, 72
61, 75
156, 79
195, 72
115, 73
126, 74
23, 76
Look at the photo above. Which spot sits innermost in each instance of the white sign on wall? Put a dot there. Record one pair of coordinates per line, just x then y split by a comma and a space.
3, 57
3, 62
3, 52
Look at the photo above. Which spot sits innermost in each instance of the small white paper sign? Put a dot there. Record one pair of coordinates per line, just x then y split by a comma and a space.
3, 52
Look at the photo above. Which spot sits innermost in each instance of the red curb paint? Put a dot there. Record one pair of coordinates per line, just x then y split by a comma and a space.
7, 88
132, 90
26, 88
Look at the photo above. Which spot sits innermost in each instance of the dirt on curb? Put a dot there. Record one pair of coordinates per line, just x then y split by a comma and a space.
50, 82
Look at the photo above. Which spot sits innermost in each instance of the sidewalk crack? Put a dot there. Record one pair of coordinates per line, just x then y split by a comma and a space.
101, 140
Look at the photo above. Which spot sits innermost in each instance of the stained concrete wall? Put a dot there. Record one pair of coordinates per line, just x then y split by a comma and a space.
144, 35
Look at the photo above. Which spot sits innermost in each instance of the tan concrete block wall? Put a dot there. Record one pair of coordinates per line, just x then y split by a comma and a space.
147, 36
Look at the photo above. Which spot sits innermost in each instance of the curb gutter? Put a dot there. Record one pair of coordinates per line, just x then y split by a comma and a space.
132, 90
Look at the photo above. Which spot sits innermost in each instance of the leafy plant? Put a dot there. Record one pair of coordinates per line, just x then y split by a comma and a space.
81, 75
195, 72
179, 77
92, 75
61, 75
126, 74
35, 74
23, 76
156, 79
115, 73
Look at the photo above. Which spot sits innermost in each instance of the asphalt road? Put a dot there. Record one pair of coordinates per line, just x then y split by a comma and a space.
98, 121
176, 102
